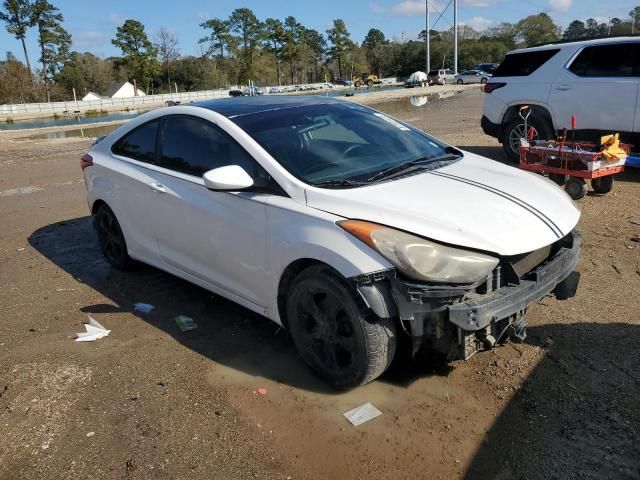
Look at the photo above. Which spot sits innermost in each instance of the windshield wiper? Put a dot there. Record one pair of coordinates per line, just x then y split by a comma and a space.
403, 167
338, 183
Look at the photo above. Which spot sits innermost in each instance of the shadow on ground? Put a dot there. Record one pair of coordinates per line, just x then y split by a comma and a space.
227, 333
576, 415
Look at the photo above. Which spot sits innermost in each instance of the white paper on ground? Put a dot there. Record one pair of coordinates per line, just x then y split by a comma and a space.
94, 331
362, 414
143, 307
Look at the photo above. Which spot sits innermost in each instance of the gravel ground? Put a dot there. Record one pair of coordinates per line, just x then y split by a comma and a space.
150, 401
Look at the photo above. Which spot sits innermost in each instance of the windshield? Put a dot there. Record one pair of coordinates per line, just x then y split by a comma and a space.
340, 145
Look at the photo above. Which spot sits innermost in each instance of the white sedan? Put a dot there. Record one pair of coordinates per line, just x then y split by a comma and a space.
472, 76
349, 228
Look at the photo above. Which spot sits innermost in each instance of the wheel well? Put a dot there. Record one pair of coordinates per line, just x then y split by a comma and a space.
540, 113
97, 204
286, 280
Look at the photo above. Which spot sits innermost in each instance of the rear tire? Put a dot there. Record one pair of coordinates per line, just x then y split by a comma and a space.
602, 185
575, 187
357, 84
514, 130
111, 238
483, 81
343, 342
459, 82
369, 83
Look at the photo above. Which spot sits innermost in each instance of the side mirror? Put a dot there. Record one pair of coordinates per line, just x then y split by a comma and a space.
227, 179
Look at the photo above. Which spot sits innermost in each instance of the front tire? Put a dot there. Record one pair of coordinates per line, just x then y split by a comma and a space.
111, 238
340, 340
459, 82
576, 187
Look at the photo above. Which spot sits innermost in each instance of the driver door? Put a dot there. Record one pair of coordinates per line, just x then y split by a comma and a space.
213, 237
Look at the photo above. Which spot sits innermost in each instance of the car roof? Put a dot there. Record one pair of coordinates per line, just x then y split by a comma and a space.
235, 107
578, 43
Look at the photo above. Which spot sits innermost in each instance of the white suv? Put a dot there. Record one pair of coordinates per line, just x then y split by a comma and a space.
595, 80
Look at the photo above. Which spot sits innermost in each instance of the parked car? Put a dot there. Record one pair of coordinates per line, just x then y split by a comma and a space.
472, 76
351, 229
441, 77
252, 91
595, 80
274, 90
486, 67
344, 83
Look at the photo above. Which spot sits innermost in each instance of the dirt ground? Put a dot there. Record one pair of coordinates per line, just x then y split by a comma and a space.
152, 402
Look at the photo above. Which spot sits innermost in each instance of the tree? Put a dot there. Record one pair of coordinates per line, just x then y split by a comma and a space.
250, 30
17, 15
219, 37
374, 44
341, 44
168, 51
86, 73
15, 85
275, 37
595, 29
317, 46
536, 29
635, 18
139, 54
53, 39
575, 30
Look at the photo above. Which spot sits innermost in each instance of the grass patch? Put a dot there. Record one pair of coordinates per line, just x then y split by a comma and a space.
9, 120
55, 116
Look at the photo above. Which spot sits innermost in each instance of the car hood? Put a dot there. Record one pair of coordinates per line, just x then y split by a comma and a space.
475, 203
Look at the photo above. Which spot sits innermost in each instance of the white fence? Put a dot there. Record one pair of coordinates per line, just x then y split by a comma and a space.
107, 104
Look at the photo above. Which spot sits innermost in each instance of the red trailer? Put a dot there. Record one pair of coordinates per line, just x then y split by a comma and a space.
571, 164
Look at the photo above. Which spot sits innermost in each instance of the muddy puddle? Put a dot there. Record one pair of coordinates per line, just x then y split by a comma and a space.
88, 132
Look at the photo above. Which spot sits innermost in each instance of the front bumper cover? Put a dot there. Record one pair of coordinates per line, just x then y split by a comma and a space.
477, 313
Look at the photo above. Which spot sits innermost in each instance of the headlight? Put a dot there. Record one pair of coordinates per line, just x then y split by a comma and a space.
419, 258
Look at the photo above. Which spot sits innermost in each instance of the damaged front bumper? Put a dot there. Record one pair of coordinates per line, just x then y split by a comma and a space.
460, 320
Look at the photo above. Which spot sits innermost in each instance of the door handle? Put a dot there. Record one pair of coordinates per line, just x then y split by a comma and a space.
157, 187
563, 87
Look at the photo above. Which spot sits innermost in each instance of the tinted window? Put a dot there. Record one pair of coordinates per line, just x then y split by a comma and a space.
194, 146
139, 144
324, 143
620, 60
523, 64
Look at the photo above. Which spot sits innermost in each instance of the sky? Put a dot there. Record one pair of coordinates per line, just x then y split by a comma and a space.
93, 24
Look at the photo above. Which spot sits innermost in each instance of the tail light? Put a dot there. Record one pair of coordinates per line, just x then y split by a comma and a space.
86, 161
490, 86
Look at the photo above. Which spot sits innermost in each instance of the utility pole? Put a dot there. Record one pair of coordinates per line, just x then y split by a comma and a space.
609, 28
427, 40
455, 36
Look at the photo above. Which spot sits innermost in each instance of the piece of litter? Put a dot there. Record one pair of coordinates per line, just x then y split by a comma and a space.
91, 434
635, 222
186, 324
21, 249
259, 425
143, 307
65, 289
94, 331
362, 414
260, 391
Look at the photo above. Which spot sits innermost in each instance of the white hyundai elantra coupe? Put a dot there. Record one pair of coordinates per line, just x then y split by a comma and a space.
348, 227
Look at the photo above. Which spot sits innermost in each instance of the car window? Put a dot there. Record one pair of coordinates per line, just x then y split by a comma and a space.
325, 142
194, 146
523, 64
621, 60
139, 144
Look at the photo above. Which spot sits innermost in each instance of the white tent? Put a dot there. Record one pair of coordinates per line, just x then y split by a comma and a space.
124, 90
92, 96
